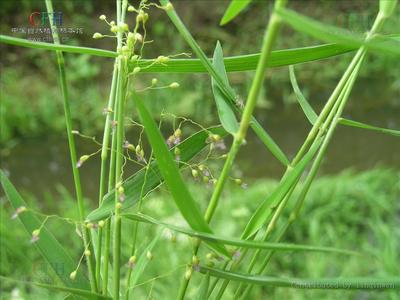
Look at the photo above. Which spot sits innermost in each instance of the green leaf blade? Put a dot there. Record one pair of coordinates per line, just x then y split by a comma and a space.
252, 244
352, 123
225, 112
305, 105
234, 8
49, 247
332, 34
170, 172
318, 283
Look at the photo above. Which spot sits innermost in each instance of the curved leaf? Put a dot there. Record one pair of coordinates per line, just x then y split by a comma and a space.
300, 283
352, 123
170, 172
225, 112
48, 246
234, 8
133, 185
332, 34
307, 109
237, 242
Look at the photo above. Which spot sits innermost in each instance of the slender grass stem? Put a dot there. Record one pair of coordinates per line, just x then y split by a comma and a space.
103, 170
343, 87
269, 38
118, 174
72, 150
315, 167
312, 173
136, 228
106, 255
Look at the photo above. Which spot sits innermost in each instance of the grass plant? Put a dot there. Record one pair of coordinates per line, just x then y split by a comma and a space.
104, 271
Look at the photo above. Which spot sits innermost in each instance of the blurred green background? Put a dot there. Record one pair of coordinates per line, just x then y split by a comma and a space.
355, 208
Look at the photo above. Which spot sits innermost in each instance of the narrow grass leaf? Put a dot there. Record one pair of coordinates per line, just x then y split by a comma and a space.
55, 47
278, 58
332, 34
225, 112
227, 91
306, 107
133, 185
202, 293
261, 214
234, 8
76, 292
48, 246
237, 242
300, 283
170, 172
352, 123
143, 261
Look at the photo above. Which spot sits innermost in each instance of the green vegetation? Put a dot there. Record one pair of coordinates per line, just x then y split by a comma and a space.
336, 214
119, 248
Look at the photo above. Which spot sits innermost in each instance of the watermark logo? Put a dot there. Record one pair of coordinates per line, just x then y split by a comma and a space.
44, 18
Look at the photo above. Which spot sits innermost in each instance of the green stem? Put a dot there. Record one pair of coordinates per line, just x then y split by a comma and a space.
72, 150
103, 171
315, 167
136, 227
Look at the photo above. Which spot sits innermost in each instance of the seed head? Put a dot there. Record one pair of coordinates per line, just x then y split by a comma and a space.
140, 16
162, 59
210, 256
195, 260
125, 50
118, 205
138, 37
87, 253
35, 235
72, 275
188, 273
149, 255
238, 181
154, 81
18, 211
136, 70
114, 28
101, 224
131, 8
103, 17
89, 225
97, 35
112, 23
123, 27
81, 160
174, 85
132, 261
178, 133
195, 173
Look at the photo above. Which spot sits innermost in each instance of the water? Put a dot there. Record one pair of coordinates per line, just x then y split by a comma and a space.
39, 165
